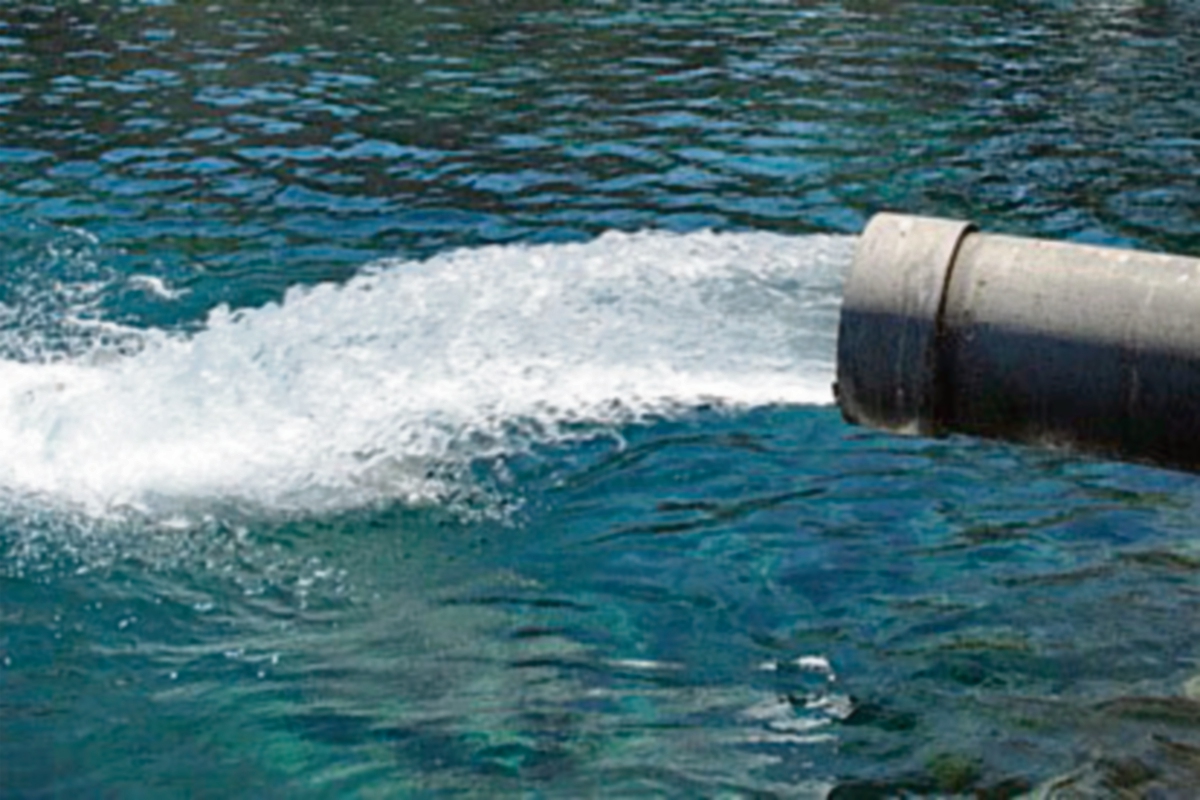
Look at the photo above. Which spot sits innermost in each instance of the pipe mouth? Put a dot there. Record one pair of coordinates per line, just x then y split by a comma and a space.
891, 322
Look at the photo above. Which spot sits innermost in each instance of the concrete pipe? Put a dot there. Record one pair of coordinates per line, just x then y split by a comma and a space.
945, 329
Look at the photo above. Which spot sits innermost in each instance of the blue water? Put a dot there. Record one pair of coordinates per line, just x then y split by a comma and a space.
433, 399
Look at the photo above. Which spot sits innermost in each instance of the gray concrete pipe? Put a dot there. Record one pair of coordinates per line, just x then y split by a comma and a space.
945, 329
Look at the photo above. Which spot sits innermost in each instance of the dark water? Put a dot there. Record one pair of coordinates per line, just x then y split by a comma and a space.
421, 400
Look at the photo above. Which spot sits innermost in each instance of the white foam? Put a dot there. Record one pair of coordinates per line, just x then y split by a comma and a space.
386, 387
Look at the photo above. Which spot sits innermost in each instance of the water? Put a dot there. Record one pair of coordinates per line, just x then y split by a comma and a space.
421, 400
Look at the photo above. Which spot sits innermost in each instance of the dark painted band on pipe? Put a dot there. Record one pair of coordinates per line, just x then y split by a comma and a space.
944, 329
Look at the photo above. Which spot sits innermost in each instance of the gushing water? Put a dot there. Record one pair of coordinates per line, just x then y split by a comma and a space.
389, 386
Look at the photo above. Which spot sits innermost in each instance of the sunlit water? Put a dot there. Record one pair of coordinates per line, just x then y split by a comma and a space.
412, 400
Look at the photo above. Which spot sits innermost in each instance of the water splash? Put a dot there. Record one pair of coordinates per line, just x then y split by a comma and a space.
56, 282
390, 386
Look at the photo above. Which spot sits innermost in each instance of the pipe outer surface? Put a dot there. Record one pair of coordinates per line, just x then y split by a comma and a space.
1031, 340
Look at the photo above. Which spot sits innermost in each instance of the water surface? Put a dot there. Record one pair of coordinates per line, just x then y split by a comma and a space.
432, 399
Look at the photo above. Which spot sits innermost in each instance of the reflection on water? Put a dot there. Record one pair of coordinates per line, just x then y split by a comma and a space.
674, 583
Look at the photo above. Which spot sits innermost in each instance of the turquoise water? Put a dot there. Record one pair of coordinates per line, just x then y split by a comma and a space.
422, 400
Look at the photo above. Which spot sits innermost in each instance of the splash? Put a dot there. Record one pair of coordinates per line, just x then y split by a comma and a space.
389, 386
